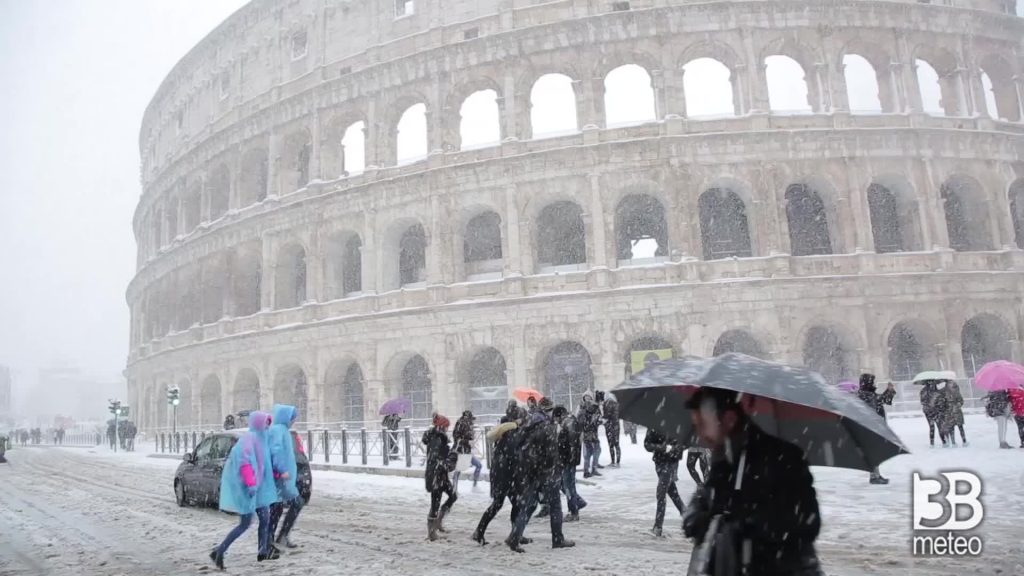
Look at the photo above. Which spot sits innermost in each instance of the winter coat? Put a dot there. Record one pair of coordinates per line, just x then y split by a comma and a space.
247, 481
928, 406
952, 414
1017, 401
875, 401
282, 451
998, 404
569, 444
774, 507
462, 435
503, 457
537, 453
441, 460
611, 418
662, 452
589, 417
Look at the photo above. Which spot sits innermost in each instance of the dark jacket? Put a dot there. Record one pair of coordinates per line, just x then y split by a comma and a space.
611, 417
537, 454
662, 451
927, 395
462, 435
997, 403
511, 412
440, 460
504, 462
569, 443
589, 418
868, 393
952, 414
775, 508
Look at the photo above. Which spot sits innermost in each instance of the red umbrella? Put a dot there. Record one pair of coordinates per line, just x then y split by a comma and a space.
524, 394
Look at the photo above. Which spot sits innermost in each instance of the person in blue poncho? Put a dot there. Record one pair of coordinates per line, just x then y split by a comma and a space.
247, 488
282, 454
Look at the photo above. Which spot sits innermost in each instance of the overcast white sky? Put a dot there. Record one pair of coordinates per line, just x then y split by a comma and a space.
77, 75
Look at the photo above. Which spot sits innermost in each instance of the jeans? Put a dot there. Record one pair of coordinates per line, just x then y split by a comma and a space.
569, 487
498, 496
244, 521
667, 474
529, 505
591, 452
294, 507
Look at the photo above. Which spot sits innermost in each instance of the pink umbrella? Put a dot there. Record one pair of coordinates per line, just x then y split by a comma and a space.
849, 386
1000, 375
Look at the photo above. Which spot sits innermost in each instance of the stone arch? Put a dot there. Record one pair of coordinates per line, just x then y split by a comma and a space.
647, 348
641, 230
254, 178
247, 279
343, 145
218, 189
984, 338
724, 228
246, 392
479, 120
862, 86
412, 255
344, 393
789, 90
807, 216
741, 341
628, 96
709, 89
207, 288
295, 161
553, 106
938, 79
567, 374
411, 144
173, 204
210, 415
967, 215
879, 61
291, 387
895, 215
828, 353
481, 240
344, 265
1016, 196
911, 349
193, 208
485, 377
561, 235
290, 276
410, 376
1001, 97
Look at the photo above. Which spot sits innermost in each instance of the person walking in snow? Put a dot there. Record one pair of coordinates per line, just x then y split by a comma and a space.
869, 395
247, 488
1017, 402
463, 435
286, 472
612, 431
952, 415
569, 454
589, 418
503, 465
931, 412
441, 461
666, 457
997, 407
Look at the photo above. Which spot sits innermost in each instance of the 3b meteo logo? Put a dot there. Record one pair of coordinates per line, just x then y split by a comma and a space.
945, 509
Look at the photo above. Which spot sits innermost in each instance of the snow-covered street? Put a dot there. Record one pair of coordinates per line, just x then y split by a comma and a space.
90, 512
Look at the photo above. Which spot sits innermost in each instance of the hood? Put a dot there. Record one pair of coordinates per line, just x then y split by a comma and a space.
285, 414
867, 382
259, 421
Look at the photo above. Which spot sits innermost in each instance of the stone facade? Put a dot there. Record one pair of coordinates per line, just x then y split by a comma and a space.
269, 270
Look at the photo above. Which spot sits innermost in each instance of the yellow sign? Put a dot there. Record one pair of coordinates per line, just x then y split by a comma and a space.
638, 359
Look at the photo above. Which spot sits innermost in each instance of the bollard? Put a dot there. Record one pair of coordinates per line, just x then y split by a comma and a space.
177, 443
327, 446
194, 441
310, 447
161, 442
362, 441
344, 445
408, 447
386, 436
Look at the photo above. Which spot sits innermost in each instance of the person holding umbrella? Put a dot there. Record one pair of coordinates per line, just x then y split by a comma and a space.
929, 406
1017, 402
876, 402
999, 378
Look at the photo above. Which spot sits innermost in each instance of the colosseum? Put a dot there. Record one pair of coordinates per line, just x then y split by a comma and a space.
346, 201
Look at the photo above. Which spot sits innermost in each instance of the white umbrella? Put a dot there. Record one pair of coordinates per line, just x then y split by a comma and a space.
935, 375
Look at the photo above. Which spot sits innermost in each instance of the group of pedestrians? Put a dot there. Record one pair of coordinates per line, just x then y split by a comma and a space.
259, 479
942, 404
1004, 406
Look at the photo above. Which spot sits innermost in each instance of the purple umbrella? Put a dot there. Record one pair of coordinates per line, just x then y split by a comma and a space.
849, 386
1000, 375
396, 406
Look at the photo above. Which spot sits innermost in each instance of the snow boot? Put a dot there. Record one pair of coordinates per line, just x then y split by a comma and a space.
514, 546
440, 520
218, 559
524, 540
563, 544
479, 538
879, 480
432, 528
572, 517
274, 554
1005, 445
656, 532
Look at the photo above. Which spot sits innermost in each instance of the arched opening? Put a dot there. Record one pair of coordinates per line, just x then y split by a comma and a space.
290, 387
352, 402
344, 265
826, 353
487, 385
1001, 97
247, 280
553, 106
480, 123
939, 83
641, 232
708, 89
739, 341
481, 244
906, 353
808, 221
218, 188
984, 338
253, 180
290, 277
212, 283
189, 307
724, 231
417, 387
991, 107
561, 236
193, 210
247, 391
567, 374
645, 350
787, 86
295, 161
628, 96
412, 256
931, 90
966, 212
861, 85
411, 143
1017, 210
210, 403
172, 218
895, 223
353, 146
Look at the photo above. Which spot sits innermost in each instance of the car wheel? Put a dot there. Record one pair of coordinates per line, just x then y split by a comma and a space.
179, 493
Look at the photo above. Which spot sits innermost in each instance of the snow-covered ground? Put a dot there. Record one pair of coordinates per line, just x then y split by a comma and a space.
90, 512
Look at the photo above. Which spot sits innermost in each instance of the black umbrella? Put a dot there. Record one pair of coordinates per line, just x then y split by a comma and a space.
795, 404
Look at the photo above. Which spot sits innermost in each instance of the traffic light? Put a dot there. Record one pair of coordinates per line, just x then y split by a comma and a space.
173, 396
115, 407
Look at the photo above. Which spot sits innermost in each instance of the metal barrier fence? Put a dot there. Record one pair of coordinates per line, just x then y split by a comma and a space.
400, 447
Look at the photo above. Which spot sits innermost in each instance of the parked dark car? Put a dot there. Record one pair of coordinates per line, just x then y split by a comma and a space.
197, 480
